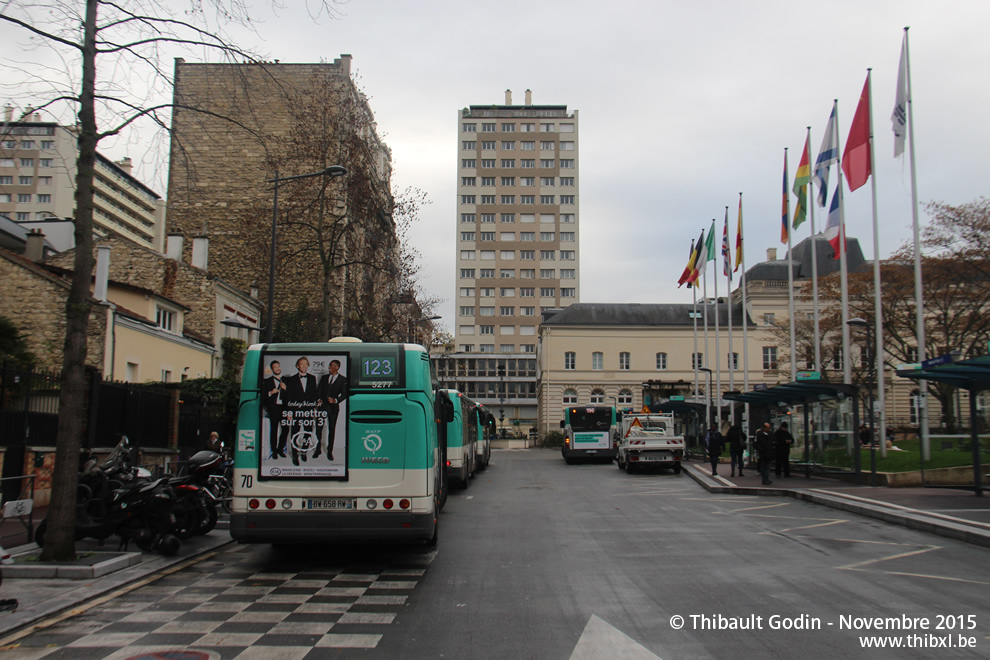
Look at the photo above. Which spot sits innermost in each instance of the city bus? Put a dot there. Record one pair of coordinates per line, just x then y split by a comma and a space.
461, 436
486, 432
590, 433
337, 441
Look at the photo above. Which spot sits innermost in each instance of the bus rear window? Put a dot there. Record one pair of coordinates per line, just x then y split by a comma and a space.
590, 419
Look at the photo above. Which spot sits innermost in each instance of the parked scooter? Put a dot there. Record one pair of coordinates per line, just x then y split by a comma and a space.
196, 505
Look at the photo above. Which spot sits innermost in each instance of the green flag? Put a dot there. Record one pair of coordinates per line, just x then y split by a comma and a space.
710, 243
801, 179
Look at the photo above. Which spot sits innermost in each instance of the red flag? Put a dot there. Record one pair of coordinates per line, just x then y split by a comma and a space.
856, 157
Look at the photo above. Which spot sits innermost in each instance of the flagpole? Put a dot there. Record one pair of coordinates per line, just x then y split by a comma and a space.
790, 270
728, 298
843, 269
879, 433
919, 299
814, 275
704, 302
718, 352
745, 317
694, 318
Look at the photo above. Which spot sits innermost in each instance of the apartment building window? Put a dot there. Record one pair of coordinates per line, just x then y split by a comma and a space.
47, 144
624, 361
487, 274
527, 274
467, 217
487, 330
570, 397
509, 128
567, 181
5, 198
467, 292
507, 348
567, 146
488, 236
508, 146
528, 236
165, 319
769, 357
467, 311
547, 145
468, 181
547, 273
547, 255
527, 163
507, 255
469, 128
25, 180
527, 292
488, 146
597, 361
527, 128
488, 199
547, 128
567, 128
488, 128
487, 292
507, 236
567, 273
697, 361
507, 292
469, 145
23, 198
27, 144
567, 199
488, 181
487, 217
567, 163
547, 199
487, 163
468, 163
567, 218
506, 273
508, 180
548, 291
548, 236
528, 199
661, 362
527, 311
8, 162
733, 360
548, 163
566, 237
837, 358
467, 348
567, 292
487, 348
506, 311
567, 255
546, 181
508, 162
488, 311
23, 216
527, 146
529, 181
527, 255
467, 273
570, 359
468, 199
508, 217
488, 254
27, 162
508, 199
467, 236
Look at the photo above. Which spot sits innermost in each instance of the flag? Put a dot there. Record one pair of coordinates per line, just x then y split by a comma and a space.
899, 117
801, 179
699, 262
785, 206
832, 226
692, 258
726, 253
856, 157
827, 154
739, 252
710, 243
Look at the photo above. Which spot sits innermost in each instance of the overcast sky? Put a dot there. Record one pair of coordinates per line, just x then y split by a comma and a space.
683, 105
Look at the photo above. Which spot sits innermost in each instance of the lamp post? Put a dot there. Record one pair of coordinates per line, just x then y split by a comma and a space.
333, 171
863, 323
414, 334
501, 400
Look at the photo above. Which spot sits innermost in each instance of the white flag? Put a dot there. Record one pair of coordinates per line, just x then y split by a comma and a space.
827, 154
899, 117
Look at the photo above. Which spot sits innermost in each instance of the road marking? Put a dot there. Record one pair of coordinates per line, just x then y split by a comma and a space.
601, 640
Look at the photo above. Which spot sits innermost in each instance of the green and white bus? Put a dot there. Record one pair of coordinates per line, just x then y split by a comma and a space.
590, 433
335, 442
461, 436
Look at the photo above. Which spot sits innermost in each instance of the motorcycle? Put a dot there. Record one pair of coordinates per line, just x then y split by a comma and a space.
116, 498
196, 504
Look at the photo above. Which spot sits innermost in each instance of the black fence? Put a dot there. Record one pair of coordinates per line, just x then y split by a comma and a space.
141, 412
28, 406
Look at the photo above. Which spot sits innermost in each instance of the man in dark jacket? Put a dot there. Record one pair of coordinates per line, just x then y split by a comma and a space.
714, 443
737, 443
782, 441
764, 449
333, 391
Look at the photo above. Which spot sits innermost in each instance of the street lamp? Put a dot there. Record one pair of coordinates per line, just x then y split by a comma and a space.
413, 333
501, 400
874, 439
333, 171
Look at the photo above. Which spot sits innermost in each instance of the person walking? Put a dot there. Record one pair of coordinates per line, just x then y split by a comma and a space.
714, 443
737, 443
782, 441
764, 448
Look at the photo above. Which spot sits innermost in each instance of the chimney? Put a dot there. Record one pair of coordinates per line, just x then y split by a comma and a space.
529, 97
8, 112
508, 97
173, 247
200, 251
772, 254
102, 272
125, 164
34, 247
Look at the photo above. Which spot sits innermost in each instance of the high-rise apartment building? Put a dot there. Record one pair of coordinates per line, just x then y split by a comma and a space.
517, 222
517, 232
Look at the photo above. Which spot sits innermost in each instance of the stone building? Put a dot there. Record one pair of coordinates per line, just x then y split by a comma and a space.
237, 127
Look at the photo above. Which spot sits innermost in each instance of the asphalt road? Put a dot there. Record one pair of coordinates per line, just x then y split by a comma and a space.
538, 559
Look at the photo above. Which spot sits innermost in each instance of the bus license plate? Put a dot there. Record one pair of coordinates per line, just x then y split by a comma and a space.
331, 503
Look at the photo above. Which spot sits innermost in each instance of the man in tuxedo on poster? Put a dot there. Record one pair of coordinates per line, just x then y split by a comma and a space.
333, 390
303, 405
274, 391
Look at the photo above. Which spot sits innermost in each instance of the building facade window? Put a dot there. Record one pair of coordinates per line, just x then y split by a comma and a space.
661, 362
625, 398
570, 397
697, 361
570, 360
597, 361
597, 396
624, 361
769, 358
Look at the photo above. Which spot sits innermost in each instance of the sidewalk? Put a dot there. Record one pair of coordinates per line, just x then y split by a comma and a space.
952, 513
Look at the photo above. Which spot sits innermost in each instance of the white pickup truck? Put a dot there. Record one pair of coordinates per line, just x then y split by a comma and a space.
647, 440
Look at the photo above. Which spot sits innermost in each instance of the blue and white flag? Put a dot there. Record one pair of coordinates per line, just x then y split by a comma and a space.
827, 154
833, 227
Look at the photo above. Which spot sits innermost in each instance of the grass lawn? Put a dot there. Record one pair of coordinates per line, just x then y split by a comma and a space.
909, 458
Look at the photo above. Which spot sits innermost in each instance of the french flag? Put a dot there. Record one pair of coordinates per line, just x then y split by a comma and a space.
833, 225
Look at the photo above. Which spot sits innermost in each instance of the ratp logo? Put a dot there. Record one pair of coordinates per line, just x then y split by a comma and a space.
372, 442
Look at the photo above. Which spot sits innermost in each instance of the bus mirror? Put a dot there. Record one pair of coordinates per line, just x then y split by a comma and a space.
561, 423
618, 416
448, 409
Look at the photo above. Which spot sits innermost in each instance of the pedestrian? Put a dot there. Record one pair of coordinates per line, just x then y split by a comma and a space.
737, 443
782, 441
714, 443
763, 444
213, 444
864, 434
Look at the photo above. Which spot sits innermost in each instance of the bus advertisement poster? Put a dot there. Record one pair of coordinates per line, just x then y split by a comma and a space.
303, 416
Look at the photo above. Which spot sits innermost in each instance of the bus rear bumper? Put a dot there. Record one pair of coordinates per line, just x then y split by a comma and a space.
330, 526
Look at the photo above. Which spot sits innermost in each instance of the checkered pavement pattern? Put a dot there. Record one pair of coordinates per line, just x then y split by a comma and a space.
232, 607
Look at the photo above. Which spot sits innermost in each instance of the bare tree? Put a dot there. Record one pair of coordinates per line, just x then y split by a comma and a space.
124, 38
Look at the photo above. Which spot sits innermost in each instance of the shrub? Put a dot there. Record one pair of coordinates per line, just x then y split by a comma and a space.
553, 439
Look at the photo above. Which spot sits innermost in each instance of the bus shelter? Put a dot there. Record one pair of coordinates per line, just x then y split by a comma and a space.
691, 415
972, 375
806, 394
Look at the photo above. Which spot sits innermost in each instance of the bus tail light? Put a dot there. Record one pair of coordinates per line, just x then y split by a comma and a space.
388, 504
253, 503
404, 504
372, 504
269, 504
286, 503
